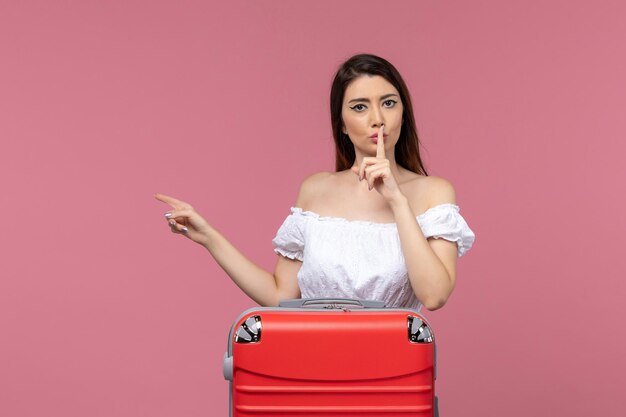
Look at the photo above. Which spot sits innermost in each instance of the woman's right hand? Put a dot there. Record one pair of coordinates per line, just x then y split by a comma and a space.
184, 220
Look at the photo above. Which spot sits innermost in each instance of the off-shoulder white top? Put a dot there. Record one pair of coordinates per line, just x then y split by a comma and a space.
361, 259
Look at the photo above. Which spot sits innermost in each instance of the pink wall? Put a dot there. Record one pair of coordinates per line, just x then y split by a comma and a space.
104, 313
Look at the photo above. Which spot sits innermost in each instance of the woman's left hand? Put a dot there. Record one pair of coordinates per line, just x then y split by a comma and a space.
377, 172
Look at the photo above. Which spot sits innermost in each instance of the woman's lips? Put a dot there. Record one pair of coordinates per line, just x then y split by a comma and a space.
375, 135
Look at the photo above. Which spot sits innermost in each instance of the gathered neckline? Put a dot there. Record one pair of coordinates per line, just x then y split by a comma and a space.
315, 215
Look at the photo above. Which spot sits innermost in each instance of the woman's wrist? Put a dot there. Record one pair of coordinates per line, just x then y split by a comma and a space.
208, 238
399, 201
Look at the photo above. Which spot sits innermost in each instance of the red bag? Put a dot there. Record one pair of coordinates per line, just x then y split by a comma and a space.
331, 357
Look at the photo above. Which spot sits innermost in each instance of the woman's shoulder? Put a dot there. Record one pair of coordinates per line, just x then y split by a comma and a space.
430, 189
319, 181
317, 178
314, 185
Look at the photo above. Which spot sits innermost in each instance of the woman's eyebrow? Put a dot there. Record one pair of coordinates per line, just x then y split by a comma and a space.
367, 100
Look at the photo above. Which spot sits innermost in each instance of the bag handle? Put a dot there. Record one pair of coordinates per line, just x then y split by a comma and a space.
330, 303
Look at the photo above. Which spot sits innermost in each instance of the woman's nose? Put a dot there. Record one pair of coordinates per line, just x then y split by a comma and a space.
377, 118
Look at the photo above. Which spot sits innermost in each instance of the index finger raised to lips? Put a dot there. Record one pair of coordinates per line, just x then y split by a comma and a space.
380, 144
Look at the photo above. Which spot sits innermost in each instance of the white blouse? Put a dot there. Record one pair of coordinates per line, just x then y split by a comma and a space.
360, 259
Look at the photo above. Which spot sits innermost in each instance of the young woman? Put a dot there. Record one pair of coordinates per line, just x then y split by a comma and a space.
377, 228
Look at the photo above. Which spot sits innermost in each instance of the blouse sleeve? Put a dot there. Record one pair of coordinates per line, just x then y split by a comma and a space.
445, 221
289, 240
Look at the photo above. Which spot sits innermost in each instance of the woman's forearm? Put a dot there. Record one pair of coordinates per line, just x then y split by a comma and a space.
256, 282
428, 276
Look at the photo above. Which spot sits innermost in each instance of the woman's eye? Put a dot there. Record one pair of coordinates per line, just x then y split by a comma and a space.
355, 107
361, 107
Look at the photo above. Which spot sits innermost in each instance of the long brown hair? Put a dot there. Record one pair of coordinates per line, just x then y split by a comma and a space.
407, 149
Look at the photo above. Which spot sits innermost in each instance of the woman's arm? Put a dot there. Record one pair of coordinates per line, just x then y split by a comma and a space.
263, 287
431, 263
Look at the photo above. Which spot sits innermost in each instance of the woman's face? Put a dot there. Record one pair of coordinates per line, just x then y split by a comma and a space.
369, 102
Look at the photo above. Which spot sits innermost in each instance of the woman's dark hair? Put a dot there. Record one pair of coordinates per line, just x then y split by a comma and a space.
407, 149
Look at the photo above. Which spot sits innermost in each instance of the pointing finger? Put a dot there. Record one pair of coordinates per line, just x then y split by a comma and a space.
380, 144
169, 200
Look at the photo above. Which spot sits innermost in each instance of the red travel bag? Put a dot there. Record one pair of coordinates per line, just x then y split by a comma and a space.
331, 357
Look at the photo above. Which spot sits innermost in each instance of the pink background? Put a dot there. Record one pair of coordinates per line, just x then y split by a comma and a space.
103, 312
